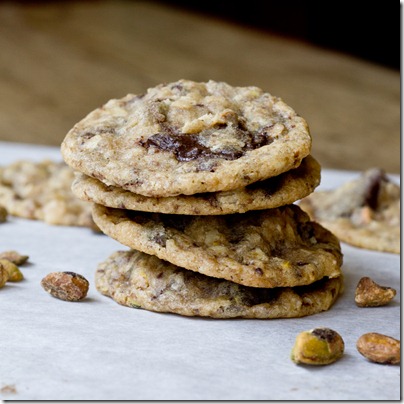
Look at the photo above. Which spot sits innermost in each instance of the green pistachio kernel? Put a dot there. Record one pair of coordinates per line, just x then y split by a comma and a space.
320, 346
14, 274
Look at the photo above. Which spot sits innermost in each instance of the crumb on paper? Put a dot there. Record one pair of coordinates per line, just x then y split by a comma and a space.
8, 389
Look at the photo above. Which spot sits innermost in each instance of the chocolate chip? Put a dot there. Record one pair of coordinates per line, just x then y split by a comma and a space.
136, 182
325, 334
178, 222
138, 217
160, 239
87, 135
269, 186
306, 230
177, 86
209, 197
259, 295
188, 147
371, 192
259, 271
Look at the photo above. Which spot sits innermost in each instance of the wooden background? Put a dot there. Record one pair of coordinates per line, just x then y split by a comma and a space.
60, 60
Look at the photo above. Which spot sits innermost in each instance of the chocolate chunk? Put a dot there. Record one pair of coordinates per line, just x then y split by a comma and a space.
177, 86
210, 198
188, 147
138, 217
374, 179
160, 239
306, 230
87, 135
178, 222
268, 186
260, 295
325, 334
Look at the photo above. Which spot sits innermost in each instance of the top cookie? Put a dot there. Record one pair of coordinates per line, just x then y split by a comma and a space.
186, 138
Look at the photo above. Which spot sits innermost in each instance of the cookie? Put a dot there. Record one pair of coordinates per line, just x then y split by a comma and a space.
135, 279
271, 248
187, 138
42, 190
283, 189
364, 212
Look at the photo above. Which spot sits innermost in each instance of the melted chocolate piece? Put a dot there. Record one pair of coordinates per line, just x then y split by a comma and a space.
325, 334
87, 135
371, 193
160, 239
268, 186
188, 147
210, 198
178, 222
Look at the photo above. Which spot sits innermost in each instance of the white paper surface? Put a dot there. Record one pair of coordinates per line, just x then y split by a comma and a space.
99, 350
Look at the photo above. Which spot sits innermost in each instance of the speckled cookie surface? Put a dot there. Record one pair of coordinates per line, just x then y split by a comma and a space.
271, 193
364, 212
186, 138
270, 248
42, 190
139, 280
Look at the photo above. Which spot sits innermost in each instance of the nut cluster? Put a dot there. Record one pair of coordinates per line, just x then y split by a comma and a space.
322, 346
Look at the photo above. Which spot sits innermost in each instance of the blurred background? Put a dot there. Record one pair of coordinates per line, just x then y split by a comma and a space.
336, 65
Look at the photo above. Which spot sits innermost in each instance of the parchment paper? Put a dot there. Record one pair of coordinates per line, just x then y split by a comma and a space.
99, 350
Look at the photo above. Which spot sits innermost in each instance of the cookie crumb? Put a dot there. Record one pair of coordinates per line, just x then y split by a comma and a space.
8, 389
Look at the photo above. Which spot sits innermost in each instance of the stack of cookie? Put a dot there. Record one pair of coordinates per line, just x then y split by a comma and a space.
199, 180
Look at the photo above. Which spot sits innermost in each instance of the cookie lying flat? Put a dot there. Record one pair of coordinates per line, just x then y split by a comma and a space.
270, 248
42, 190
271, 193
364, 212
186, 138
139, 280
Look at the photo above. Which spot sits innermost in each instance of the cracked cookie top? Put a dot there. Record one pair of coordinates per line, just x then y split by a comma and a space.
186, 138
